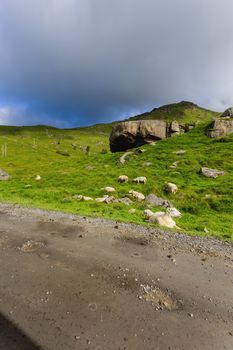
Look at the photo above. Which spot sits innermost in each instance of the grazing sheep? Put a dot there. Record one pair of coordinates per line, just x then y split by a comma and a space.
122, 179
172, 188
102, 199
137, 195
108, 189
140, 180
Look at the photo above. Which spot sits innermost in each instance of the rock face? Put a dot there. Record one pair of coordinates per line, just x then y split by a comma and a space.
136, 133
132, 134
228, 113
223, 125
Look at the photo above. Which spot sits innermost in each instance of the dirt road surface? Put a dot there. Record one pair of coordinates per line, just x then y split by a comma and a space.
75, 283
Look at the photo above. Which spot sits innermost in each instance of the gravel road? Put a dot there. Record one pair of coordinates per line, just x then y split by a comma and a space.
70, 282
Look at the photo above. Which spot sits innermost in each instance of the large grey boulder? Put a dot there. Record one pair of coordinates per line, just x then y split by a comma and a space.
155, 201
227, 113
212, 173
221, 127
132, 134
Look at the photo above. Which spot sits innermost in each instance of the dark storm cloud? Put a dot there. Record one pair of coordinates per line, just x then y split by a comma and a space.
75, 62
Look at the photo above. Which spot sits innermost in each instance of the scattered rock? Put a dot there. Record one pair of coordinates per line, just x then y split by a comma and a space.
140, 180
137, 195
155, 201
122, 159
66, 200
63, 153
212, 173
158, 298
125, 200
31, 246
38, 178
148, 213
111, 199
171, 188
90, 167
132, 211
84, 198
28, 186
109, 189
174, 165
4, 176
173, 212
180, 152
123, 179
147, 164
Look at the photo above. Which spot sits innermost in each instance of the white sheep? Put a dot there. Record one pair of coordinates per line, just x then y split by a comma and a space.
172, 188
140, 180
123, 178
137, 195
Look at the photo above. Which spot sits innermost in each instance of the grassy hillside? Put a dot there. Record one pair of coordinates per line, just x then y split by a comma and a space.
184, 112
67, 167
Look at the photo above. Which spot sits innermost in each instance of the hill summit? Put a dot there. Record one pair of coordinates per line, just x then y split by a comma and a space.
184, 111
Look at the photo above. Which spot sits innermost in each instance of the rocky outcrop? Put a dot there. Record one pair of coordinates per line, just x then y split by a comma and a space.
136, 133
132, 134
223, 125
228, 113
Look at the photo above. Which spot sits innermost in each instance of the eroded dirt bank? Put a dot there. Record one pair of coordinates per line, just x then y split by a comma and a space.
74, 283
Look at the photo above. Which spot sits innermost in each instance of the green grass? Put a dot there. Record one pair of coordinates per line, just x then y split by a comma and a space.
184, 112
204, 203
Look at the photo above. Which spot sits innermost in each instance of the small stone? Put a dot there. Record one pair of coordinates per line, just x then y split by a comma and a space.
211, 173
190, 315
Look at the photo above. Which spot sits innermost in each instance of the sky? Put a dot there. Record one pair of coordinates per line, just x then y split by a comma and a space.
71, 63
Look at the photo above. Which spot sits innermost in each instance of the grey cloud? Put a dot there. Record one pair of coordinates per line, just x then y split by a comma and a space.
76, 62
